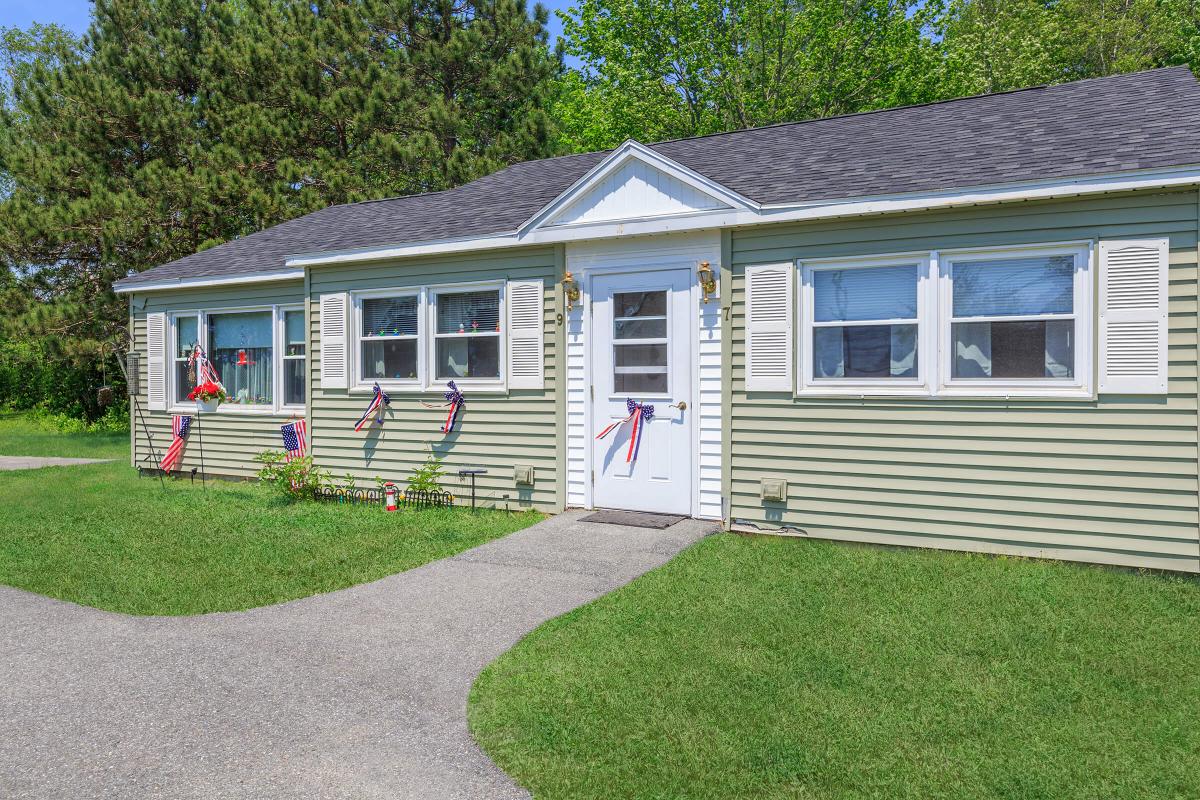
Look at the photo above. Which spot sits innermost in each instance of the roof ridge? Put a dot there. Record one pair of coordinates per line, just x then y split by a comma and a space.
946, 101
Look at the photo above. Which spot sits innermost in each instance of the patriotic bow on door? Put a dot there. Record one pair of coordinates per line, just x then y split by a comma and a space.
639, 413
181, 426
374, 410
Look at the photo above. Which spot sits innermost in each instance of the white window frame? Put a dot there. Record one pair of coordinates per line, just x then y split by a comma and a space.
357, 299
173, 344
1079, 386
935, 306
664, 340
427, 381
276, 407
919, 385
281, 338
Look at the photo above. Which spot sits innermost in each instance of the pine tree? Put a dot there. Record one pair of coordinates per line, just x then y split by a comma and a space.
179, 124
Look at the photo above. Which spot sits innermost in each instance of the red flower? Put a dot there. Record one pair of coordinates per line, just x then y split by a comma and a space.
206, 391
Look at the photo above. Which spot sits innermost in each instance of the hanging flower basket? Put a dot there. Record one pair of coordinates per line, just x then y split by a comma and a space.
208, 397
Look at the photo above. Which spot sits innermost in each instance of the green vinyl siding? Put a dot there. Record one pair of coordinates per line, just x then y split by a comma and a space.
230, 438
495, 431
1112, 480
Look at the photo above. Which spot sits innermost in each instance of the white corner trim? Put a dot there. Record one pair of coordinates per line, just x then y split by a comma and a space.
195, 283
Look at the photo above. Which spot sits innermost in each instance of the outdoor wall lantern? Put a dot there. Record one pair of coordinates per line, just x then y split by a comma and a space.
570, 290
708, 282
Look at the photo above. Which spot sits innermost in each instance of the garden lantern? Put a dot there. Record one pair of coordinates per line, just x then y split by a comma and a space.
391, 495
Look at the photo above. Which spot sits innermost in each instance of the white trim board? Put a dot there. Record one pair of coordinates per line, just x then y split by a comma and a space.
585, 259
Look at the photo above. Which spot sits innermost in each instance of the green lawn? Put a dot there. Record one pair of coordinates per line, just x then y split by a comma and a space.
763, 667
100, 536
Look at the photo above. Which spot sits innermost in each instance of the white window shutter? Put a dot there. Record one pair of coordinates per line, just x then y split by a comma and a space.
525, 345
334, 371
769, 328
1133, 316
156, 362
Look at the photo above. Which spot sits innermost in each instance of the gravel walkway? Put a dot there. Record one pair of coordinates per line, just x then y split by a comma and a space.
34, 462
359, 693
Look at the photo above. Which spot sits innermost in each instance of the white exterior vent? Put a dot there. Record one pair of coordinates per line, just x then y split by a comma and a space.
156, 362
769, 328
334, 371
1133, 316
525, 347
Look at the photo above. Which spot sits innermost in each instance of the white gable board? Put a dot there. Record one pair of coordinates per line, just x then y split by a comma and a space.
635, 190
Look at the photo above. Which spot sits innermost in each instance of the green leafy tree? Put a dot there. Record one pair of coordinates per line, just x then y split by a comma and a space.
655, 69
997, 45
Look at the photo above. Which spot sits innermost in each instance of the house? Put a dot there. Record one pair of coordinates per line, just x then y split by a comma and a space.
969, 325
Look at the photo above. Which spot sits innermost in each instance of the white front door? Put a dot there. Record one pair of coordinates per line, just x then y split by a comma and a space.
641, 352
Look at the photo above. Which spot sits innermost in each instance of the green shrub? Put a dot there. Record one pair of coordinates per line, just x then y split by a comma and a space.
298, 478
427, 477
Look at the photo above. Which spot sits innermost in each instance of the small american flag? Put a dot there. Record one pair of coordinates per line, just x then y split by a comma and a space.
294, 436
181, 426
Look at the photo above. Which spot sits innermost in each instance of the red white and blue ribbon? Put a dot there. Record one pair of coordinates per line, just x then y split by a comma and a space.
639, 413
374, 410
455, 402
455, 398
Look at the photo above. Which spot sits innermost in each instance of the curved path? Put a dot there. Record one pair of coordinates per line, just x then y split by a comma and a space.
360, 693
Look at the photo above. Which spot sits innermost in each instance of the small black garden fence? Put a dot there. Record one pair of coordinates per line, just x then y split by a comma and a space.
405, 499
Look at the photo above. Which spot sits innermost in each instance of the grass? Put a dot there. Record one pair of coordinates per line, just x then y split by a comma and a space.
100, 536
772, 668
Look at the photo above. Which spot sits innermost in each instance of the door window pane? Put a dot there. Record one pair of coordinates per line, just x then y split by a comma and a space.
640, 328
240, 346
468, 357
1007, 287
642, 368
1027, 349
640, 304
641, 383
389, 359
865, 293
865, 351
640, 355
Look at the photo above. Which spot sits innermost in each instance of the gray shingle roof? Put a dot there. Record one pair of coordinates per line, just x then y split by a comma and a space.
1143, 120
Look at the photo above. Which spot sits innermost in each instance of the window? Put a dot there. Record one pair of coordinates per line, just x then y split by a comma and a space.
240, 347
1013, 318
864, 322
422, 336
250, 349
994, 322
294, 354
640, 346
388, 338
467, 335
187, 330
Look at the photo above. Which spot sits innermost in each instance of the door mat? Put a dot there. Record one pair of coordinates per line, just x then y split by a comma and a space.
634, 519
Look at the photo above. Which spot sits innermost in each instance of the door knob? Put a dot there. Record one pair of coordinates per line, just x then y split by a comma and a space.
681, 405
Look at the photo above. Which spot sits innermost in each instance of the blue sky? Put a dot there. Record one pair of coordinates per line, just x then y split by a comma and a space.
74, 14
